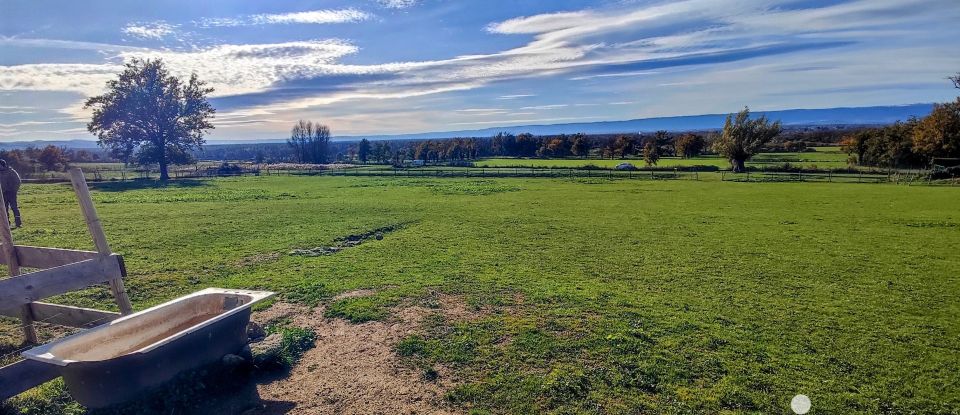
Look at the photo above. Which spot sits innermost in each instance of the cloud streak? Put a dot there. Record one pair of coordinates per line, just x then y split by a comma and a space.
326, 16
154, 30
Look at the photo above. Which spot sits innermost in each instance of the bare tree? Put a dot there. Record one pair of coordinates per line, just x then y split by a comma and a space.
309, 141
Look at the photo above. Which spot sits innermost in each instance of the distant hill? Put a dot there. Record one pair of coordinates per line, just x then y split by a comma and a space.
795, 117
880, 115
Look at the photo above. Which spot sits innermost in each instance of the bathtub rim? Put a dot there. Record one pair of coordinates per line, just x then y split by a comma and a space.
44, 354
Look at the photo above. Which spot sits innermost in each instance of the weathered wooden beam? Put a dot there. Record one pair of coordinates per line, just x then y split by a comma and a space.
38, 285
19, 377
99, 237
13, 268
41, 257
64, 315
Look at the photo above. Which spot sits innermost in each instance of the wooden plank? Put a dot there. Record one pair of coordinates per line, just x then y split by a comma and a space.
65, 315
24, 375
99, 237
38, 285
13, 268
41, 257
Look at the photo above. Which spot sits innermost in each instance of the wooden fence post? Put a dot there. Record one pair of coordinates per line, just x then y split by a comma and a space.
13, 266
99, 237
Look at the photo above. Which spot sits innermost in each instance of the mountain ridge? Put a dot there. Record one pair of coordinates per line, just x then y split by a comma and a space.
873, 115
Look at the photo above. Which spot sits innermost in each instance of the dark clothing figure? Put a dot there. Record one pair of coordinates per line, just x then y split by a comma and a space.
10, 183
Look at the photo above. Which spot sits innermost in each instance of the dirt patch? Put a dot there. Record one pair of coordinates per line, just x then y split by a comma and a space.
354, 368
345, 242
364, 292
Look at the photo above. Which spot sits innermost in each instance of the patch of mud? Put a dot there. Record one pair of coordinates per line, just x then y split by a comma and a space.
354, 368
348, 241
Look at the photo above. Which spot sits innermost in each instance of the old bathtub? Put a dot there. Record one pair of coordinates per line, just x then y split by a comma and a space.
116, 362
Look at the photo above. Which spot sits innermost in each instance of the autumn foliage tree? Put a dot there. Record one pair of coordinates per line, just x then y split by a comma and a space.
938, 134
743, 137
689, 145
651, 152
53, 158
152, 114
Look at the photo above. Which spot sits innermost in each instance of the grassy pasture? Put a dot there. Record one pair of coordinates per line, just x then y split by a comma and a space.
610, 296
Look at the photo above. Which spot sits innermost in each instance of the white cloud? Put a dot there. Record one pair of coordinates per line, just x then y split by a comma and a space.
540, 23
397, 4
305, 17
80, 78
154, 30
515, 96
244, 69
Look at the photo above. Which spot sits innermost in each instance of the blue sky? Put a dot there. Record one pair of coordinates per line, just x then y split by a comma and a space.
404, 66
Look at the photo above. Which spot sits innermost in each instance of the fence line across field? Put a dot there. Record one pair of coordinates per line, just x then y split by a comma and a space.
107, 175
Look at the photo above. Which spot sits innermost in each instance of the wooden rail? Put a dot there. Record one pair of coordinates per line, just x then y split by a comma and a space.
65, 315
24, 375
26, 288
40, 257
60, 271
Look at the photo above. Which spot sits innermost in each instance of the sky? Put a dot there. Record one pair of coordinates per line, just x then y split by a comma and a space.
407, 66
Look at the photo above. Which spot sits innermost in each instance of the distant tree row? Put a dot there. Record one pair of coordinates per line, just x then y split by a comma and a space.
48, 158
917, 142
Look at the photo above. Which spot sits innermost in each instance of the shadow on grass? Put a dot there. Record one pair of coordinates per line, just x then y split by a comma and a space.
139, 184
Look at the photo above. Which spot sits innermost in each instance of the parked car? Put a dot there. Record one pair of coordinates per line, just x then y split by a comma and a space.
625, 166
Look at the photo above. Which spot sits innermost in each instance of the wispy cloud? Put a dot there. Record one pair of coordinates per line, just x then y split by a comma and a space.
397, 4
545, 107
305, 17
154, 30
516, 96
508, 122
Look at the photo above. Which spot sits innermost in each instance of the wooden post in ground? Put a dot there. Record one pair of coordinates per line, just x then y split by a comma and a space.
13, 267
99, 237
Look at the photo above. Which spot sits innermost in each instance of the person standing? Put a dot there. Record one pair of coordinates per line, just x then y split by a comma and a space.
10, 183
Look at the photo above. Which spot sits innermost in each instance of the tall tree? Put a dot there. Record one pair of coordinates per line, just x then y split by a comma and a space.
743, 137
150, 111
938, 134
856, 146
580, 146
651, 152
363, 151
689, 145
53, 158
956, 80
310, 142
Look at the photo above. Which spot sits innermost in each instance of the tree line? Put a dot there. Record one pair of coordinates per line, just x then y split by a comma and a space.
48, 158
149, 116
917, 142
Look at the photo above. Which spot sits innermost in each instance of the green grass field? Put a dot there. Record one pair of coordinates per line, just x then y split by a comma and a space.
617, 296
823, 157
